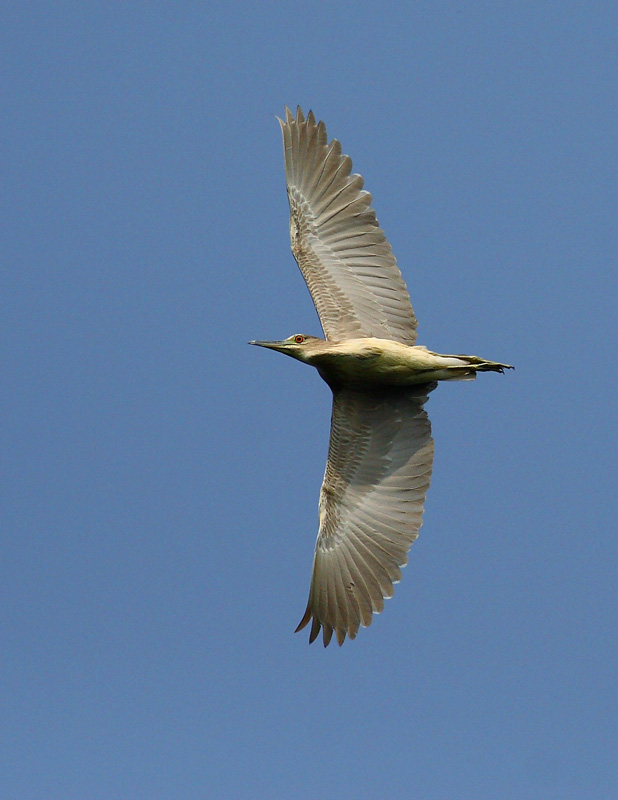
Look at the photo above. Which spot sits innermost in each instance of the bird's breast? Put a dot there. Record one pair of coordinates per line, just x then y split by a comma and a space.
377, 362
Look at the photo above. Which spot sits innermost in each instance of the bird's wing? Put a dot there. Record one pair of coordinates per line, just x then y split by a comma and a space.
371, 505
342, 252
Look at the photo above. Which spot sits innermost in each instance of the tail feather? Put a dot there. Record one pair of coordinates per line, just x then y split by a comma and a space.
461, 374
482, 364
492, 366
469, 365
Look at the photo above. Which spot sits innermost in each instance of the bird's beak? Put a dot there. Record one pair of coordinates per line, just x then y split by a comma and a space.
270, 345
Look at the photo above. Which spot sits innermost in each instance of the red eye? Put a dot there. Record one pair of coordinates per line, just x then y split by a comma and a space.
299, 339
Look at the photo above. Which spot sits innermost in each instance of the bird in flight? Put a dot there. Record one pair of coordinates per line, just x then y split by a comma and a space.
380, 454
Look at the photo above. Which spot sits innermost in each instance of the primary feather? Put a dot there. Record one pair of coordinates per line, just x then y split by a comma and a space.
342, 252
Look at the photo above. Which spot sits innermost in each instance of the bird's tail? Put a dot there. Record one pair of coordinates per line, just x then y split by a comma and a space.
469, 365
481, 365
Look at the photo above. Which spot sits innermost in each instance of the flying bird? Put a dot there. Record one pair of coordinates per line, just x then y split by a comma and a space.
380, 455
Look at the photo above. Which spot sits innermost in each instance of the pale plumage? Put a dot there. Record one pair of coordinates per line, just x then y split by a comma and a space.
342, 252
371, 505
381, 451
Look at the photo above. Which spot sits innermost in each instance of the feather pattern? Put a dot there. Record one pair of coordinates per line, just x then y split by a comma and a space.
342, 252
371, 505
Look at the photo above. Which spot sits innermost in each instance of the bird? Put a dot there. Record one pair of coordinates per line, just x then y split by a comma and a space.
380, 455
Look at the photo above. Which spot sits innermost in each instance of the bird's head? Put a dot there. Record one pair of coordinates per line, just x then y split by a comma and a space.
298, 346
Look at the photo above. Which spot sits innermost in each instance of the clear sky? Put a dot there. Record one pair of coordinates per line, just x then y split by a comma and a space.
160, 478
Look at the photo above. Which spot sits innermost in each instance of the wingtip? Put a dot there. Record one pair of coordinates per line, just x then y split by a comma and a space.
304, 621
316, 627
327, 630
300, 118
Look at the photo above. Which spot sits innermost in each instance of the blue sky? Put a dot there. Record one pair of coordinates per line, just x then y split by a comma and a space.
160, 478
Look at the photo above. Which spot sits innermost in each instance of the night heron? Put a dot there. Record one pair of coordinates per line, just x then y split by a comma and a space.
381, 451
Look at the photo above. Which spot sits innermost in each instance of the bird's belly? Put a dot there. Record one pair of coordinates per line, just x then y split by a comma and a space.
381, 362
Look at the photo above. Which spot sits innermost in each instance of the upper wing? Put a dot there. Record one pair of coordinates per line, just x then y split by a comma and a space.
342, 253
371, 505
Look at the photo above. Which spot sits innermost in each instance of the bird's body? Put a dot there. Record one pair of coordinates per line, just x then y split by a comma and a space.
381, 451
371, 362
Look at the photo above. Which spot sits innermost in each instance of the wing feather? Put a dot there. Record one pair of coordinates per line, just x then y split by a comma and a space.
371, 505
342, 252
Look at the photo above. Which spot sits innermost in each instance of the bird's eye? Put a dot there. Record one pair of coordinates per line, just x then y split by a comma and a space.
299, 339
